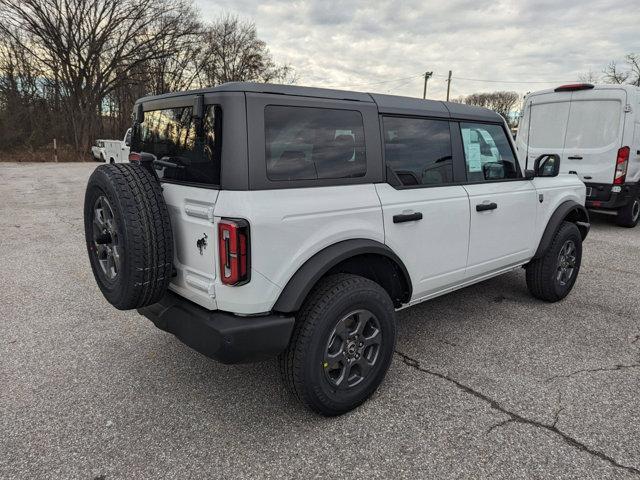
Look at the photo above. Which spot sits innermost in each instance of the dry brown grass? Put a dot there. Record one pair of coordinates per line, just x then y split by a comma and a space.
44, 154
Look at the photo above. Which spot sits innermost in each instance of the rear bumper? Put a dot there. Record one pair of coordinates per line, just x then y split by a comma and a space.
222, 336
603, 197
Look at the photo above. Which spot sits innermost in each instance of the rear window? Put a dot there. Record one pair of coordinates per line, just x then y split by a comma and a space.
305, 143
548, 125
593, 123
418, 151
187, 148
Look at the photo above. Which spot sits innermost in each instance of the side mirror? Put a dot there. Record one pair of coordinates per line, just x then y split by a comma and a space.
547, 165
493, 171
529, 174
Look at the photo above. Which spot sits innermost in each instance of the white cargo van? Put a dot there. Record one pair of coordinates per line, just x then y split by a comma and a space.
596, 132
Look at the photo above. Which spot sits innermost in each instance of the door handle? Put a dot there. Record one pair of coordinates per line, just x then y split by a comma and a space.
483, 207
407, 217
575, 157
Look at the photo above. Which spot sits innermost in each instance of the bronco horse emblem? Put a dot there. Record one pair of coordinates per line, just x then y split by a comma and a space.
202, 243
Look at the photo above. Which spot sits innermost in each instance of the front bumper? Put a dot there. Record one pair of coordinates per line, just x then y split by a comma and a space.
222, 336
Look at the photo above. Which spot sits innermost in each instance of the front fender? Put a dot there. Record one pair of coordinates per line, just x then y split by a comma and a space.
567, 211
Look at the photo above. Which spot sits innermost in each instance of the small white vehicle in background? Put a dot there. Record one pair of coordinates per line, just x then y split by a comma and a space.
117, 151
97, 151
596, 132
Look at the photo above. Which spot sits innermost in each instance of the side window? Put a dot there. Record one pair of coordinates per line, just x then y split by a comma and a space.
418, 151
487, 153
186, 147
305, 143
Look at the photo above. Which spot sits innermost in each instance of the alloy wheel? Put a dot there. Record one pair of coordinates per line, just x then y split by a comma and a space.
105, 238
352, 350
567, 259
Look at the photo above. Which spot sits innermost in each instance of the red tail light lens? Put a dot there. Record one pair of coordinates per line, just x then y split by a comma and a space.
135, 157
573, 87
622, 162
233, 251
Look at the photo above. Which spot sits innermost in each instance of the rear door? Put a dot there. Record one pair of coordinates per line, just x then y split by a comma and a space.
502, 203
544, 126
594, 134
426, 216
189, 170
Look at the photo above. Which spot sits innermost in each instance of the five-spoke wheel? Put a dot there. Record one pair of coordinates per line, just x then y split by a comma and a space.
566, 262
105, 238
353, 349
342, 344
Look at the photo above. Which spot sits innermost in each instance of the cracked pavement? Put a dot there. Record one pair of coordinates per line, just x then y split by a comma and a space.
487, 382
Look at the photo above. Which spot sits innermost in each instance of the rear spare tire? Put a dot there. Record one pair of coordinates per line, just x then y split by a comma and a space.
128, 235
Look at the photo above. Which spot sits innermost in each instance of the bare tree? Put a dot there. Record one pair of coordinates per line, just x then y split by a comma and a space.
181, 69
91, 46
612, 74
503, 103
633, 62
233, 52
589, 77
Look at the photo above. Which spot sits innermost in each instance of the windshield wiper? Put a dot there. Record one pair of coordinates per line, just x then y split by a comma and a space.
171, 162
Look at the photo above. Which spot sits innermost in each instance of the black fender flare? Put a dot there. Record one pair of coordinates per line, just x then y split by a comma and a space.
569, 210
301, 283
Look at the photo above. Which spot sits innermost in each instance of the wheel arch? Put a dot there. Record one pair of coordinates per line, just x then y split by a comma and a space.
569, 211
367, 258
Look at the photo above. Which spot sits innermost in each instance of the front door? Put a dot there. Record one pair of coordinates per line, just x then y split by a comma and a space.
426, 216
502, 203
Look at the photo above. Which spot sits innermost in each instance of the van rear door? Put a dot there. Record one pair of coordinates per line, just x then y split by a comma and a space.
543, 126
594, 134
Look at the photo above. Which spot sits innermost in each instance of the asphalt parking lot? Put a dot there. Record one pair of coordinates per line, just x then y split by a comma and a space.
487, 382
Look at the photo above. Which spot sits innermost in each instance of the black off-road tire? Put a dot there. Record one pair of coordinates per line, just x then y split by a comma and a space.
138, 225
629, 215
301, 364
542, 274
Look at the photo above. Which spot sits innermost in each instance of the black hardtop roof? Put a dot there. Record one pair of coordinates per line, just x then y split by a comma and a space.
390, 104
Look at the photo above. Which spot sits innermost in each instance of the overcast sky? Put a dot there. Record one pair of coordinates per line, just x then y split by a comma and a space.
384, 46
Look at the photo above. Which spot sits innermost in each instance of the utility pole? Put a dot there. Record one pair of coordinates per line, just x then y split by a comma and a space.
448, 85
427, 76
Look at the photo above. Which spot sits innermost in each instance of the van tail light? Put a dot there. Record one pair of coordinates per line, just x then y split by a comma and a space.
622, 163
233, 251
574, 87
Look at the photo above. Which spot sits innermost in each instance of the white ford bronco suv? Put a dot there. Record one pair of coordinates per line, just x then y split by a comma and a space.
259, 220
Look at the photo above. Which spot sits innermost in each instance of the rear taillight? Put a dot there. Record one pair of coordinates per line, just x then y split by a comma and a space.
135, 157
622, 162
233, 251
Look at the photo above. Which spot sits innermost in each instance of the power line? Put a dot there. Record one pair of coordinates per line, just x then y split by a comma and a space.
403, 84
446, 77
505, 81
376, 83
